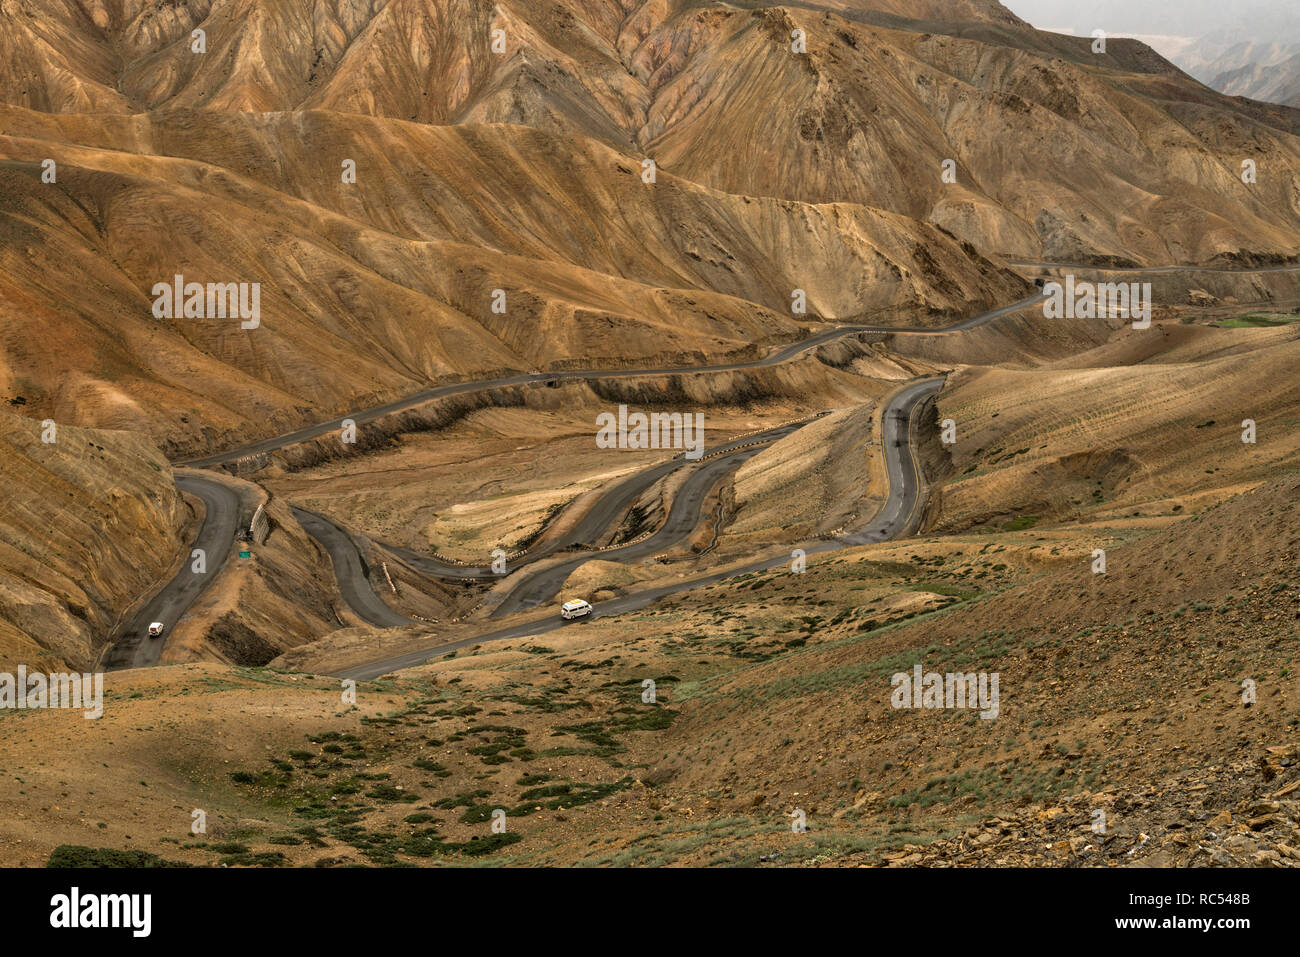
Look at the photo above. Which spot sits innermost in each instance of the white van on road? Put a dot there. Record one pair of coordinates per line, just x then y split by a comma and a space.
575, 608
155, 629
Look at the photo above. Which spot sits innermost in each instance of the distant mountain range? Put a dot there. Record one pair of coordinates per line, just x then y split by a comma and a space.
1250, 48
1261, 71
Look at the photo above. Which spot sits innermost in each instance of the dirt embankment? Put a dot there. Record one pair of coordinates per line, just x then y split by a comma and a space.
808, 384
826, 476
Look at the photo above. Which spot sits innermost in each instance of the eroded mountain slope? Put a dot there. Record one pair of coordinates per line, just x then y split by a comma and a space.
374, 289
1060, 152
91, 521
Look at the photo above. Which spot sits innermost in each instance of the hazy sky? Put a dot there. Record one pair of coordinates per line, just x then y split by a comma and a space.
1272, 20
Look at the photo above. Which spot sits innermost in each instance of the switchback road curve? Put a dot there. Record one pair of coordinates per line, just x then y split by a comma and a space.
684, 515
221, 522
216, 538
350, 570
610, 507
896, 518
137, 650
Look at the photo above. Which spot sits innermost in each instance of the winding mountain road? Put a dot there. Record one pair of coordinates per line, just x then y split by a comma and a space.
222, 507
350, 570
896, 518
778, 357
216, 538
598, 519
683, 518
221, 522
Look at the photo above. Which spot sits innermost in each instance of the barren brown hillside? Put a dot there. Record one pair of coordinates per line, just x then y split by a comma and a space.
1060, 153
91, 521
374, 289
370, 56
1126, 431
521, 171
1108, 681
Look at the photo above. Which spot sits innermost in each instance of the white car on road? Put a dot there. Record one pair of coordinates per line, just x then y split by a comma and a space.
155, 629
575, 608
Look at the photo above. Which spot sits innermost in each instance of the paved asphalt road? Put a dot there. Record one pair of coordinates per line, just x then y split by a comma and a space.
222, 523
683, 518
350, 570
684, 515
222, 520
135, 649
132, 647
896, 517
598, 519
782, 355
